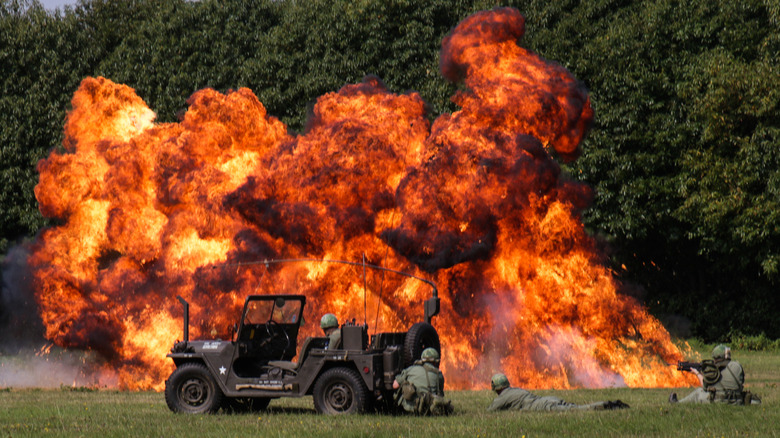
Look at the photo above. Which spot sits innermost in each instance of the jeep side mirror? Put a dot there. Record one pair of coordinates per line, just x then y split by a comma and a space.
431, 307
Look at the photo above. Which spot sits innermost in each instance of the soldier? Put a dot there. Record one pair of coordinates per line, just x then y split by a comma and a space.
330, 325
722, 380
420, 387
519, 399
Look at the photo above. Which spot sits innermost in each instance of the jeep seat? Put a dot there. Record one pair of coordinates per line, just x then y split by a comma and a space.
308, 344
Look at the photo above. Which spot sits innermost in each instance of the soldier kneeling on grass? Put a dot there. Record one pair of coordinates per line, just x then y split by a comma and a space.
722, 381
420, 387
519, 399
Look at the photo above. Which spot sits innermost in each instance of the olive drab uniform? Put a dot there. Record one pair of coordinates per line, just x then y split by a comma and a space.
727, 387
520, 399
422, 390
334, 340
330, 325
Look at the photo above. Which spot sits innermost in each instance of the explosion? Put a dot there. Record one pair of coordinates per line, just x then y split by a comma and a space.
475, 201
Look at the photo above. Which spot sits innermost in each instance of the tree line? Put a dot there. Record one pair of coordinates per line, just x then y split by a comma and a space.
684, 153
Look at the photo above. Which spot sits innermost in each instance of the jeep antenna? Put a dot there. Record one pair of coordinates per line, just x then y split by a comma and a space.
431, 305
365, 312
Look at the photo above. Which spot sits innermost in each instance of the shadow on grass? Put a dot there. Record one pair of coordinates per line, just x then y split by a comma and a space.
289, 410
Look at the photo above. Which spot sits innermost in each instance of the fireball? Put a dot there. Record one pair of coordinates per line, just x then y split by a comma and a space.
474, 201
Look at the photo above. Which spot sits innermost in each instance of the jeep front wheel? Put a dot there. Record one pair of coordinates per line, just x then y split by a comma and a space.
192, 390
340, 391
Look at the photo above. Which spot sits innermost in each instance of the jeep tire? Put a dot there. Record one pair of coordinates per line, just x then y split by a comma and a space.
192, 390
419, 337
340, 391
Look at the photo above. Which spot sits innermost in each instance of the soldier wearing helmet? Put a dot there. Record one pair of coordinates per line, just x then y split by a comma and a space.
519, 399
722, 380
420, 387
330, 325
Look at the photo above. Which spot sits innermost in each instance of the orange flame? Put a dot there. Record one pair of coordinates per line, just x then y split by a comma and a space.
475, 200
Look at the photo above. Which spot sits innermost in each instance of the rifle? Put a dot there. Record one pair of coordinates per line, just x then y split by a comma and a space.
687, 366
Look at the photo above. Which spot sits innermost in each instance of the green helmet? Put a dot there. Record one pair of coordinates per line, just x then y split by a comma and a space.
430, 355
719, 352
498, 382
329, 320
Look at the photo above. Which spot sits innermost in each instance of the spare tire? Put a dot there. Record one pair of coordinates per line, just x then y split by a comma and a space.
419, 337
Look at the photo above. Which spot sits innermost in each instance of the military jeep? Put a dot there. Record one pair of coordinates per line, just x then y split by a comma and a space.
255, 366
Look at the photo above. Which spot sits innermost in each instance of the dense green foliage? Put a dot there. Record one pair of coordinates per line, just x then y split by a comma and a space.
684, 153
685, 149
754, 343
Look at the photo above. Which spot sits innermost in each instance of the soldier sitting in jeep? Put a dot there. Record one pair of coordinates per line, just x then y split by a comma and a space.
330, 326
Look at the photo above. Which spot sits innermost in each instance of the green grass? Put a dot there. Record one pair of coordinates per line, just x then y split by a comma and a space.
106, 413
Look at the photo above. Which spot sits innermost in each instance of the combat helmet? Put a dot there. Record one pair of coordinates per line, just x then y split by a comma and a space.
719, 352
430, 355
329, 320
499, 382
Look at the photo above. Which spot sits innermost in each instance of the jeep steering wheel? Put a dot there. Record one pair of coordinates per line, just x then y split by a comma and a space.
273, 329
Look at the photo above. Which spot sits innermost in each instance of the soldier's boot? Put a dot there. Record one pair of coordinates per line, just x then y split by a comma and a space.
617, 404
673, 397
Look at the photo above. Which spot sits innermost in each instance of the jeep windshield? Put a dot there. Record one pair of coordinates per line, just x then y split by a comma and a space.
281, 310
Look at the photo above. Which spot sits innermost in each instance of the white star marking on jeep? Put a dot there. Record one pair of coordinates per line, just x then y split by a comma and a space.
222, 370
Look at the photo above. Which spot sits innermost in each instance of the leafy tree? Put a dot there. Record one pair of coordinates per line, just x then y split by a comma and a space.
319, 46
183, 46
683, 153
31, 109
43, 58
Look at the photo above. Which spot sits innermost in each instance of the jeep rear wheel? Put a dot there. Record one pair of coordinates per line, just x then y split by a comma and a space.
340, 391
419, 337
192, 390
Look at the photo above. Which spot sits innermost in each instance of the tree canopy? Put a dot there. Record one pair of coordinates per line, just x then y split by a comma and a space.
684, 153
684, 150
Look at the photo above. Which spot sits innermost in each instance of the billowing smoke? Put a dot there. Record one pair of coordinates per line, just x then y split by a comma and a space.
20, 322
27, 359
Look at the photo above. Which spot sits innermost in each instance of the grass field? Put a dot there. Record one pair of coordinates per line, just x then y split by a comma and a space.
107, 413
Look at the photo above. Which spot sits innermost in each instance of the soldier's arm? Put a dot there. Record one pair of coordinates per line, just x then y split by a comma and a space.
697, 373
495, 406
399, 379
498, 404
741, 375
